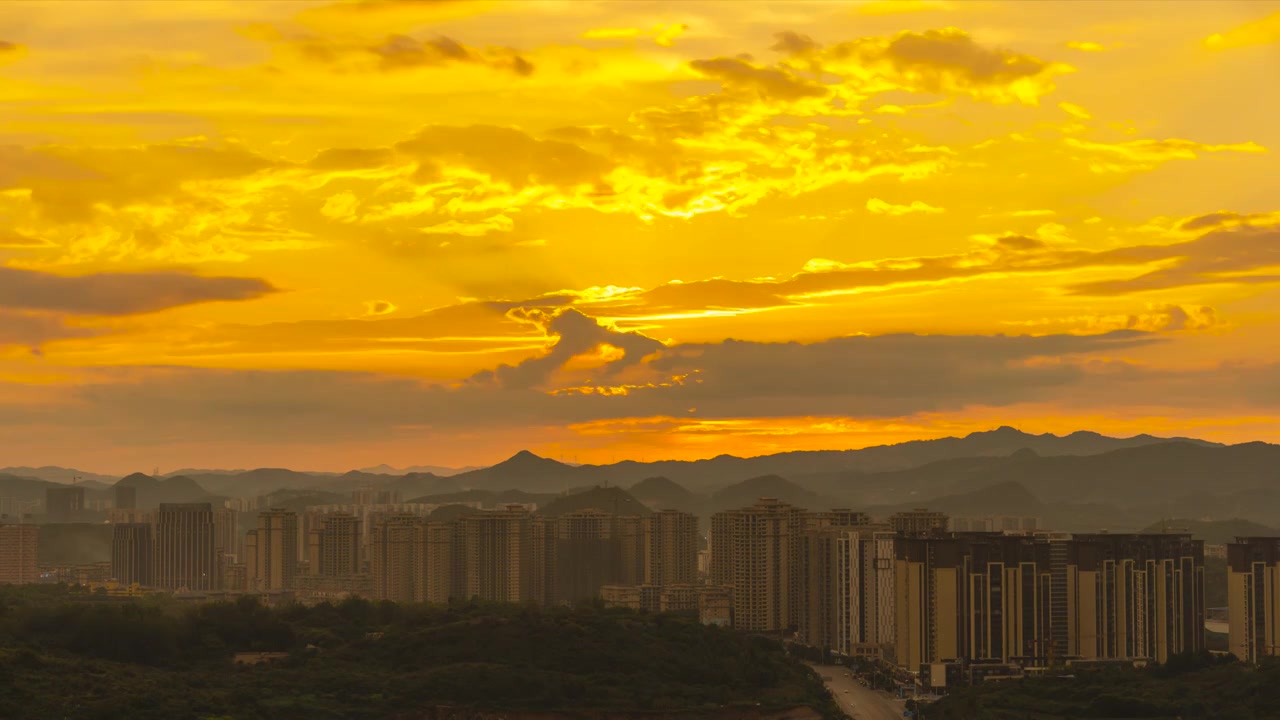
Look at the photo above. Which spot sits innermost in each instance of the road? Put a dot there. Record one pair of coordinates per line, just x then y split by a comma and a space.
858, 702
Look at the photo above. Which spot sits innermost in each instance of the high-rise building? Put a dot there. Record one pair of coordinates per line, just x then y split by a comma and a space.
63, 503
918, 522
434, 553
277, 549
184, 550
226, 531
336, 552
132, 559
1253, 597
633, 550
497, 555
124, 497
392, 557
971, 596
18, 554
1135, 596
587, 555
671, 548
757, 552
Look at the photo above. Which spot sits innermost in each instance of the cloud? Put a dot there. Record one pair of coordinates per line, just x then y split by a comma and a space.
374, 308
1258, 32
1075, 111
773, 83
33, 330
664, 35
10, 52
400, 52
1145, 154
120, 293
1227, 218
948, 61
880, 207
1238, 257
576, 334
1086, 46
793, 43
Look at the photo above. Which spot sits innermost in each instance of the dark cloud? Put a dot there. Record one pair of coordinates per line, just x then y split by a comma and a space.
1232, 257
119, 293
576, 334
507, 155
793, 43
1218, 219
32, 330
398, 52
774, 83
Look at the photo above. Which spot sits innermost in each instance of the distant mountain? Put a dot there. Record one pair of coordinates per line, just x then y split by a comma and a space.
436, 470
449, 513
1007, 498
606, 499
704, 475
22, 488
659, 493
487, 498
524, 471
1214, 532
258, 482
152, 491
748, 491
58, 474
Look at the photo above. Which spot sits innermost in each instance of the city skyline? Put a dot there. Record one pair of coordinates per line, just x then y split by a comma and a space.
342, 234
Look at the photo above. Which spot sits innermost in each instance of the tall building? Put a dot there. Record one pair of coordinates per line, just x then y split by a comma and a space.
1253, 597
336, 552
497, 555
18, 554
277, 549
124, 497
1135, 596
670, 547
63, 503
184, 550
226, 531
757, 552
918, 522
132, 558
587, 554
971, 596
633, 550
434, 553
392, 558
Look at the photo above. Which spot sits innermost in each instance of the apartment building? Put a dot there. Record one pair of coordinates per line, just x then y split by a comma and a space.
131, 554
18, 554
1134, 596
919, 521
757, 551
1253, 600
276, 546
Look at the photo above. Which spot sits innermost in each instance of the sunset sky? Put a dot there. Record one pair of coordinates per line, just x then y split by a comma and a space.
325, 236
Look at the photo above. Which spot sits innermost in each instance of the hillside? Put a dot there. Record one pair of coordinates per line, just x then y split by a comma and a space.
524, 471
607, 499
152, 491
1215, 532
660, 493
750, 490
1008, 498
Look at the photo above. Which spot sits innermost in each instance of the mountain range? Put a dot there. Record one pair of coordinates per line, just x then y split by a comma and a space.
1081, 480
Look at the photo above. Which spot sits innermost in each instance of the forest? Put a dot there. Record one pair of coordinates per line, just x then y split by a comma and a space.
1202, 686
71, 654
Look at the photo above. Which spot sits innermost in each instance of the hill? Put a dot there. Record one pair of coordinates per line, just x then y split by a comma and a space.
436, 470
487, 498
1215, 532
152, 491
22, 488
607, 499
660, 493
749, 491
1007, 498
54, 474
523, 471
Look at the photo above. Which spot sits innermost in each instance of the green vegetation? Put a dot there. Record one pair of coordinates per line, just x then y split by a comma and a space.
69, 654
1202, 687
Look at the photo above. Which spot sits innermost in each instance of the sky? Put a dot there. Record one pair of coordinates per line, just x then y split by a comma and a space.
331, 235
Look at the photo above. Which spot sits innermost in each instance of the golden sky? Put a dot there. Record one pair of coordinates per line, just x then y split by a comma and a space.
320, 235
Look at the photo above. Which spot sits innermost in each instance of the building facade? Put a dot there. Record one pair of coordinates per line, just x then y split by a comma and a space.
132, 559
276, 545
184, 549
18, 554
757, 551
